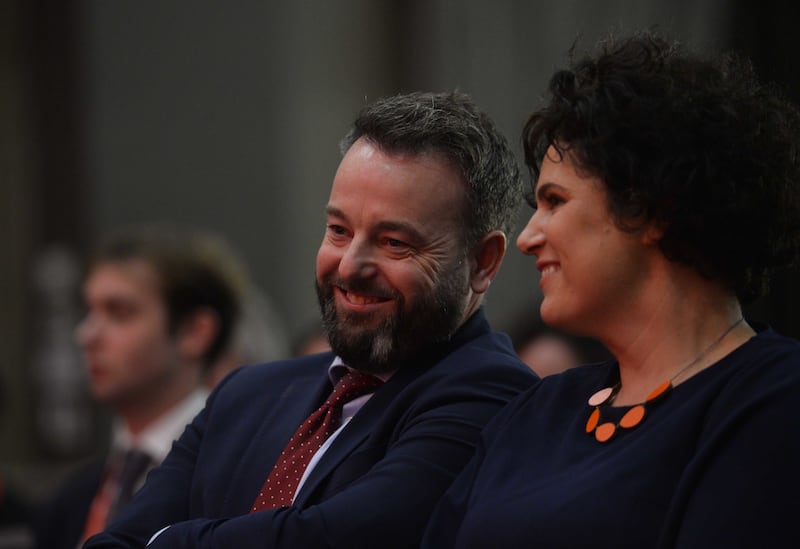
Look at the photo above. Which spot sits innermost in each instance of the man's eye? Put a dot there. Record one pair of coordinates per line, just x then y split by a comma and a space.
395, 244
121, 312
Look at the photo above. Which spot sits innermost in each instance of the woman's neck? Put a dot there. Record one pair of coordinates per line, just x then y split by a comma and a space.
686, 326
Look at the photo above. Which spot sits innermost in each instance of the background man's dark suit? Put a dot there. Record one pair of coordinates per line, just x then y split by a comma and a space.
375, 486
60, 524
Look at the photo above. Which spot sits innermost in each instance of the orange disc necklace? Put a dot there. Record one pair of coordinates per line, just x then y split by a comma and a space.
603, 432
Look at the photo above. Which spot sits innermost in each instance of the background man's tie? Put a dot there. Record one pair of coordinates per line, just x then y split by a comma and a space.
134, 466
282, 482
118, 485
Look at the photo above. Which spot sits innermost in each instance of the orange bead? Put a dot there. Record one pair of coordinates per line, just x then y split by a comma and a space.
632, 417
593, 419
604, 432
659, 391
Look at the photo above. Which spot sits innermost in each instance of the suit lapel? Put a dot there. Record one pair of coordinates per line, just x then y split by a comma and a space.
355, 433
377, 408
278, 423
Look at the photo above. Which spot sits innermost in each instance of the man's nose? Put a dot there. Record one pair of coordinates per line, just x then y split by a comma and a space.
358, 260
87, 330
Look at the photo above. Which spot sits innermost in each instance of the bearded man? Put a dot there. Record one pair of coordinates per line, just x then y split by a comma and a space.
353, 447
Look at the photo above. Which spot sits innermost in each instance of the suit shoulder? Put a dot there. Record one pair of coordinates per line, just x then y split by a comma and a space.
487, 361
491, 351
254, 379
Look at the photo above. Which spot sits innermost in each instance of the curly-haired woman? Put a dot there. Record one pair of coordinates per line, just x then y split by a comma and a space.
667, 190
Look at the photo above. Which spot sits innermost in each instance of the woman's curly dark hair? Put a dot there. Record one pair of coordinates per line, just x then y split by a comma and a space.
697, 147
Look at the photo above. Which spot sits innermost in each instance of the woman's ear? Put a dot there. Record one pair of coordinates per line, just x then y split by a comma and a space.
197, 333
486, 259
652, 233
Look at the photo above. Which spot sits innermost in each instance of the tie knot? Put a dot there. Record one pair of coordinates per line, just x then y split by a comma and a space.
352, 385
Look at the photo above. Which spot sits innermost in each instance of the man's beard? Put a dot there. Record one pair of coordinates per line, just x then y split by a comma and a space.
400, 336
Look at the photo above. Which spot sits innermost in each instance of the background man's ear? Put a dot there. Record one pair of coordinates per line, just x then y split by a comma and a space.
197, 333
486, 260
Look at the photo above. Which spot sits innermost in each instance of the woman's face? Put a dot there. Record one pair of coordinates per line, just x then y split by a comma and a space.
589, 268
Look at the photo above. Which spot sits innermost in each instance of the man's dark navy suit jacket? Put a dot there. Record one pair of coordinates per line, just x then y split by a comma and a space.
375, 486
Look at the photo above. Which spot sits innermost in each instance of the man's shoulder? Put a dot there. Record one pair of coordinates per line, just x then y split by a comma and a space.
279, 371
253, 390
482, 360
86, 477
258, 380
488, 350
55, 520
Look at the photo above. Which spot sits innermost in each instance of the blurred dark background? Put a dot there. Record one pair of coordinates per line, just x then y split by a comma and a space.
227, 116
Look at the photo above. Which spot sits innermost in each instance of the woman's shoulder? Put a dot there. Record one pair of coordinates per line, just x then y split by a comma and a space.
769, 352
766, 336
762, 374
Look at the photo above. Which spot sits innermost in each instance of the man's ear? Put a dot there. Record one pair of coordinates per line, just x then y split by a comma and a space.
197, 333
486, 259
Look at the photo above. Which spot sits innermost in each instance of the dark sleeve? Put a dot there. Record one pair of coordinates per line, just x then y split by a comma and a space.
388, 506
60, 521
448, 515
742, 487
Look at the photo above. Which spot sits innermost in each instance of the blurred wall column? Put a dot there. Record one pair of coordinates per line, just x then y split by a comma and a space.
334, 59
44, 207
17, 222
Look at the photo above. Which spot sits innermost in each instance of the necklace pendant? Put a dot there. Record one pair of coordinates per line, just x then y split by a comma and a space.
594, 419
602, 396
659, 391
605, 432
632, 417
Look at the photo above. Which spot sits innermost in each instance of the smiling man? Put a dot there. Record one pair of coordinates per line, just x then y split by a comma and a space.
353, 447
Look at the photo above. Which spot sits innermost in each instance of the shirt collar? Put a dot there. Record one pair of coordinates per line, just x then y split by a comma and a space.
338, 368
156, 440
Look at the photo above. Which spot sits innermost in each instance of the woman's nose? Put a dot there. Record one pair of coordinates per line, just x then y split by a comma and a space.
531, 238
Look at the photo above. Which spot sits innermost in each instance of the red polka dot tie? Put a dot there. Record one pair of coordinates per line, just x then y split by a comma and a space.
282, 482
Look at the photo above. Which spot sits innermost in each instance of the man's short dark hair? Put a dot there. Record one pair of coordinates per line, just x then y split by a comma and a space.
450, 124
195, 270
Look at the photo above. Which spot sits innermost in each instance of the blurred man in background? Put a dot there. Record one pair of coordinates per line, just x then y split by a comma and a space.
162, 305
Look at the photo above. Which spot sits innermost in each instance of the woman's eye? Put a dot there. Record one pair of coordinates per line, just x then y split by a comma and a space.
554, 200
